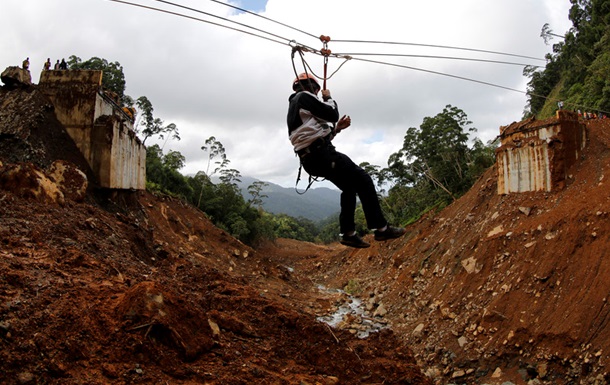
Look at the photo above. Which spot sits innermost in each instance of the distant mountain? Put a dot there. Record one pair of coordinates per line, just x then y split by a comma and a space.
316, 204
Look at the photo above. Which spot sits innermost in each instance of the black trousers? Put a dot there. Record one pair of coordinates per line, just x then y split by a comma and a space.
352, 180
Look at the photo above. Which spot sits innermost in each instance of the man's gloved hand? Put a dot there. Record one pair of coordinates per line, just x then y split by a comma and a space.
325, 95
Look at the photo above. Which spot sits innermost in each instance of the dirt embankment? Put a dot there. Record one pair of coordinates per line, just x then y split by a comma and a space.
144, 289
130, 288
501, 288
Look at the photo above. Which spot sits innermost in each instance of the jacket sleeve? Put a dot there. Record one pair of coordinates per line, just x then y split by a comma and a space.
325, 110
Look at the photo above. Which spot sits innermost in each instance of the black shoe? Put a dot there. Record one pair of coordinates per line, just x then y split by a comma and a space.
354, 241
389, 233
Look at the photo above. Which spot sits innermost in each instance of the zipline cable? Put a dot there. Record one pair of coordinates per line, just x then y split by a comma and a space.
218, 17
313, 50
439, 57
197, 19
438, 73
381, 42
293, 44
309, 48
438, 46
477, 81
266, 18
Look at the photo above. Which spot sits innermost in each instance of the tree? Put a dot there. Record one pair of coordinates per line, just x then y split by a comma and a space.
113, 78
216, 152
577, 71
153, 126
256, 191
162, 173
174, 160
437, 153
435, 165
230, 177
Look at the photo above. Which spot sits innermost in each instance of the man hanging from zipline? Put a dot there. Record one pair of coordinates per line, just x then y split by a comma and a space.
312, 125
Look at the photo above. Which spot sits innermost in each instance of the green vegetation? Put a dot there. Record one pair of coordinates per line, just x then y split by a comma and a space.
222, 202
577, 70
113, 78
353, 287
434, 167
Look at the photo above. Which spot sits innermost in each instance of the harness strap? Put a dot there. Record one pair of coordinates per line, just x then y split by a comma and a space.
311, 180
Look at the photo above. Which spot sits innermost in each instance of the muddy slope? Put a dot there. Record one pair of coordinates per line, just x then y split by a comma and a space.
501, 288
145, 290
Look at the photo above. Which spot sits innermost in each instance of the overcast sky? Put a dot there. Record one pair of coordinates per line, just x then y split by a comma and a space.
213, 81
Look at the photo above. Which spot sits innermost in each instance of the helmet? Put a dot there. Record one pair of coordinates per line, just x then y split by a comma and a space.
302, 78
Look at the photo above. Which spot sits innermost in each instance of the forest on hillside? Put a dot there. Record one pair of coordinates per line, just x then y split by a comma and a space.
576, 73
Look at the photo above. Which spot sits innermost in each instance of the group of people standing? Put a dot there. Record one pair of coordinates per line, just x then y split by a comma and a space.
585, 115
47, 65
591, 115
58, 66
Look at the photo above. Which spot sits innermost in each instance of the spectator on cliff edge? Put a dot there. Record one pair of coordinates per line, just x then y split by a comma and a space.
26, 64
47, 65
63, 65
56, 67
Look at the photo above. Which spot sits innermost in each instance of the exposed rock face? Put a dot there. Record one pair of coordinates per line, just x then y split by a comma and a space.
62, 181
31, 133
28, 181
71, 181
15, 77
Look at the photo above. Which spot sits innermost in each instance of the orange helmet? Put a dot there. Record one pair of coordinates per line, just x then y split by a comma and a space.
303, 77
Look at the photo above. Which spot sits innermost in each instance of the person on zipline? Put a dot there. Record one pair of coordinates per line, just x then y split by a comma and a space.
312, 125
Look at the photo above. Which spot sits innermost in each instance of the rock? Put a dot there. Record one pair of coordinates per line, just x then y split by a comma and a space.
433, 372
497, 230
71, 181
542, 370
15, 76
370, 304
525, 210
419, 330
215, 328
447, 313
331, 380
458, 374
462, 341
29, 181
380, 311
497, 373
470, 265
25, 378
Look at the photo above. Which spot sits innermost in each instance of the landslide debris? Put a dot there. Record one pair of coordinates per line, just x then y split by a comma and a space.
143, 289
499, 289
494, 289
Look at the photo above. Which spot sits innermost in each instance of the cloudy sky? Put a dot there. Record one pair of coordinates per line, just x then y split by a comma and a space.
214, 81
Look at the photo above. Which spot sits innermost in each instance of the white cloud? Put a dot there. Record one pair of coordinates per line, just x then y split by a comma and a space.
213, 81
